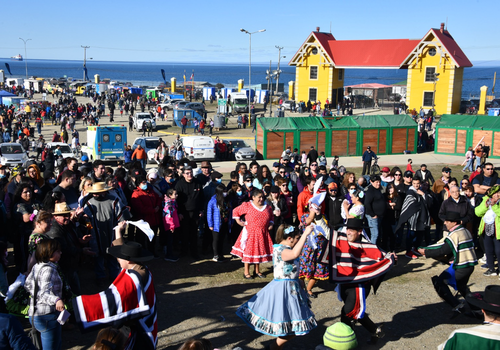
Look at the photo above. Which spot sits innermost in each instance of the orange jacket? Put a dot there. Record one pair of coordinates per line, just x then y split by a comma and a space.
139, 154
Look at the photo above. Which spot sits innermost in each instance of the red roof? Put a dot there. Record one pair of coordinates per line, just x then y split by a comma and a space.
452, 47
384, 53
387, 53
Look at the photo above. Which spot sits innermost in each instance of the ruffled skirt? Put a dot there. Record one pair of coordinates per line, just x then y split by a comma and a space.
281, 308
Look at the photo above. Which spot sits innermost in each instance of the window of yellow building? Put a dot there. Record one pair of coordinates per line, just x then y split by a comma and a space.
341, 74
313, 94
428, 98
313, 73
430, 74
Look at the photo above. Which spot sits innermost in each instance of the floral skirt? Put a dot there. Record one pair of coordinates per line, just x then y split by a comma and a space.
281, 308
310, 267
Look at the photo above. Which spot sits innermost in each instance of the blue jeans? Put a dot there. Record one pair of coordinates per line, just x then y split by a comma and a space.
374, 224
50, 330
143, 163
468, 165
478, 161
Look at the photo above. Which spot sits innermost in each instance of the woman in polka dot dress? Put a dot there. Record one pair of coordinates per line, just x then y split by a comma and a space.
254, 245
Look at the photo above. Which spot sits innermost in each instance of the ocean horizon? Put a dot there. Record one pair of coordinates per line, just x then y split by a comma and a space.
149, 73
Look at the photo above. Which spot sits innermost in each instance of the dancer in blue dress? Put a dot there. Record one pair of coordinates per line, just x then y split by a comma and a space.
281, 309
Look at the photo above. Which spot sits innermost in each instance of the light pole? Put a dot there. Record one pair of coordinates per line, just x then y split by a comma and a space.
279, 59
84, 61
25, 55
436, 79
250, 64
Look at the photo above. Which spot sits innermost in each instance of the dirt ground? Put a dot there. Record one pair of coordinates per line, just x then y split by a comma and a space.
199, 299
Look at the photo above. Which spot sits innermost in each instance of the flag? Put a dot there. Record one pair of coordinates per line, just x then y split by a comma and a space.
163, 75
8, 68
184, 75
192, 76
86, 73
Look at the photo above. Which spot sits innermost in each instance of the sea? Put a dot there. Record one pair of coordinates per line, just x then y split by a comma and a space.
149, 73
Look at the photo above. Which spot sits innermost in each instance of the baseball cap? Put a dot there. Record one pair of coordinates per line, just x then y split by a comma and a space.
368, 147
286, 157
276, 164
408, 174
386, 169
248, 177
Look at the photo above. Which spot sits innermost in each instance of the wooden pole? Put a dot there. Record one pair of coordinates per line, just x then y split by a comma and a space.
482, 138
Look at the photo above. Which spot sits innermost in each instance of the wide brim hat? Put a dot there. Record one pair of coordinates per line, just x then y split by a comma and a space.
489, 300
453, 216
131, 251
61, 209
99, 187
355, 224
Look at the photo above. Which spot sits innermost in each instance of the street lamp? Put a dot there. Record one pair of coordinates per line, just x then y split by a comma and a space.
25, 55
85, 61
278, 70
436, 79
250, 64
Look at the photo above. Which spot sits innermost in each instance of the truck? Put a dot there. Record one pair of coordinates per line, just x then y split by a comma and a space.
239, 102
106, 143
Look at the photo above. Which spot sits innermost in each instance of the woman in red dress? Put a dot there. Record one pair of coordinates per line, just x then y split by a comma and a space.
254, 245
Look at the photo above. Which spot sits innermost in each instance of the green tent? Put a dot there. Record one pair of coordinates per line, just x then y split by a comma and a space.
456, 133
274, 135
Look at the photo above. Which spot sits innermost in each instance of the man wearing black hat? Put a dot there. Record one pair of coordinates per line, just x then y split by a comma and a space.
120, 305
458, 246
486, 336
356, 278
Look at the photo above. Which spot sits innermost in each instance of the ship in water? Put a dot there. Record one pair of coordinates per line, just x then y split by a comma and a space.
17, 58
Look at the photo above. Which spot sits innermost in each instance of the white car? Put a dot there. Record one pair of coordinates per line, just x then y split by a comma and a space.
241, 149
149, 144
65, 149
169, 104
140, 118
12, 154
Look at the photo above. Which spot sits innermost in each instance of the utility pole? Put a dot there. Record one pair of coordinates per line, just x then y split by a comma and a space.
25, 55
84, 60
278, 71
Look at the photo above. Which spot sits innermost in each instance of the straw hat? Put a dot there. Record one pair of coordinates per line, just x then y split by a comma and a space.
99, 187
61, 209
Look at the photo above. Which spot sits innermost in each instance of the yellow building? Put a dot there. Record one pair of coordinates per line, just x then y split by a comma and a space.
435, 67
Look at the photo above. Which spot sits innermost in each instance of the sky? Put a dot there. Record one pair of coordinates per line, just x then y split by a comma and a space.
209, 31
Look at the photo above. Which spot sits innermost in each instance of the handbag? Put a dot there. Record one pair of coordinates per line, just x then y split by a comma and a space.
34, 335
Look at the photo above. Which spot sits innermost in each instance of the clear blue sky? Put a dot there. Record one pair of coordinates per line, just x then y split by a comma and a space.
209, 31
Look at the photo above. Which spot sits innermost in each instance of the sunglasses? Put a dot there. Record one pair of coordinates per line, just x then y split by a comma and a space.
281, 172
314, 164
397, 174
488, 168
447, 171
333, 190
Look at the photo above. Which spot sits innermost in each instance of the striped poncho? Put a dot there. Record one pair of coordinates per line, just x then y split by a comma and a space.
460, 241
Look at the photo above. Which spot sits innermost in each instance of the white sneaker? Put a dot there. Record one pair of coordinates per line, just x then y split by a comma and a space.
483, 259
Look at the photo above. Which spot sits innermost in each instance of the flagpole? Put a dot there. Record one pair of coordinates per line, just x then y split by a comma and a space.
192, 85
184, 84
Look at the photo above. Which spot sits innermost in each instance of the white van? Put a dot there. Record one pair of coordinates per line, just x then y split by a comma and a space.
198, 147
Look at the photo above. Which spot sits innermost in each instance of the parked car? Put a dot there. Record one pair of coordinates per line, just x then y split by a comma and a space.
65, 149
149, 144
169, 104
197, 106
140, 118
181, 104
12, 154
199, 147
288, 104
241, 149
494, 103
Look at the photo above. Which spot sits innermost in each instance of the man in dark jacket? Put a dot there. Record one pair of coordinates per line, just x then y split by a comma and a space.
424, 175
64, 231
312, 156
333, 206
367, 157
374, 207
189, 201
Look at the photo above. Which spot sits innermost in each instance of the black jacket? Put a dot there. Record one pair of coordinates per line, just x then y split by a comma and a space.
190, 196
333, 208
429, 178
70, 246
374, 202
463, 207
